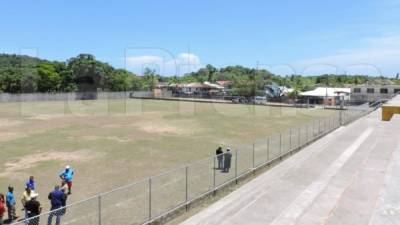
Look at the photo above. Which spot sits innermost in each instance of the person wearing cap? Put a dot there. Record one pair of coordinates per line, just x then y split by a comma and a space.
31, 184
227, 160
10, 202
67, 176
220, 157
33, 209
57, 198
2, 209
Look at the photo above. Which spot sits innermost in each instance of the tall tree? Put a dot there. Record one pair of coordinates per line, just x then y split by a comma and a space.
150, 79
120, 80
11, 80
49, 78
88, 73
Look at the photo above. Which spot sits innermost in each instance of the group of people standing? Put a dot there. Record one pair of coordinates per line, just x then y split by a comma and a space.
32, 207
224, 159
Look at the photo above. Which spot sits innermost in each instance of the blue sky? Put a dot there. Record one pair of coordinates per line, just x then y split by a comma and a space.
302, 37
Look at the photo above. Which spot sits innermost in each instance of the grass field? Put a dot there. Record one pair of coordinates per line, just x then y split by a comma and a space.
110, 143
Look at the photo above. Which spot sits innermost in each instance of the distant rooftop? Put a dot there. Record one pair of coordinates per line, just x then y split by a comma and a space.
326, 91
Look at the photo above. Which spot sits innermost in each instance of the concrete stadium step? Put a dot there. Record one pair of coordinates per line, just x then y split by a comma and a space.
362, 178
319, 185
387, 210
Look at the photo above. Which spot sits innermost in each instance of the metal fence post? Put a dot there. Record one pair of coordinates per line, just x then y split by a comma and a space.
150, 198
236, 165
313, 130
215, 168
299, 134
334, 122
338, 121
290, 139
280, 145
187, 184
99, 208
319, 127
340, 118
344, 119
326, 126
307, 129
254, 163
268, 147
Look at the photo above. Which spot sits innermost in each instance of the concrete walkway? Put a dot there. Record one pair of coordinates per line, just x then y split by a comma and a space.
351, 176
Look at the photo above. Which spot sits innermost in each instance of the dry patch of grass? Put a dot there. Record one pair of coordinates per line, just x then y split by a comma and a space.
46, 117
161, 128
8, 136
9, 123
5, 126
29, 161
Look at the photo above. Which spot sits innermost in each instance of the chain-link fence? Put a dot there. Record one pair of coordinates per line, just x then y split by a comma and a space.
151, 199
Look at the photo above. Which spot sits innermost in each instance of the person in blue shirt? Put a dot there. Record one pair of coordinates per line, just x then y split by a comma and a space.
67, 176
10, 202
57, 198
31, 184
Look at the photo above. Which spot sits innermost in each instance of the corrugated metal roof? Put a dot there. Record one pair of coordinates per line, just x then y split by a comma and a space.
326, 91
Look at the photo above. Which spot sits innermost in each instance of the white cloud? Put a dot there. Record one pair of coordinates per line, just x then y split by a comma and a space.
179, 65
378, 56
187, 58
141, 60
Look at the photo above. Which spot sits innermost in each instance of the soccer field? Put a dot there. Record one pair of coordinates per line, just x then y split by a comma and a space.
110, 143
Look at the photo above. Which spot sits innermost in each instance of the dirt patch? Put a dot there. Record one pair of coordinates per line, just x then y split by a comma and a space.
29, 161
87, 138
115, 125
47, 116
9, 123
161, 128
7, 136
118, 139
95, 138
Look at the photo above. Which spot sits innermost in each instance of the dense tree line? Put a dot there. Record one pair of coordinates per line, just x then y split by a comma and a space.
250, 82
84, 72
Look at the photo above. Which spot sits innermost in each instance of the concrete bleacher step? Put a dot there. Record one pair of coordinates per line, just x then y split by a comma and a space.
340, 179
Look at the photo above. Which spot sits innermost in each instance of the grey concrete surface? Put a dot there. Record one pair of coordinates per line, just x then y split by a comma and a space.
351, 176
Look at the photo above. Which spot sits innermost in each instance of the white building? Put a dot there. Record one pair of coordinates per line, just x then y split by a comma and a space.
327, 95
372, 93
205, 88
